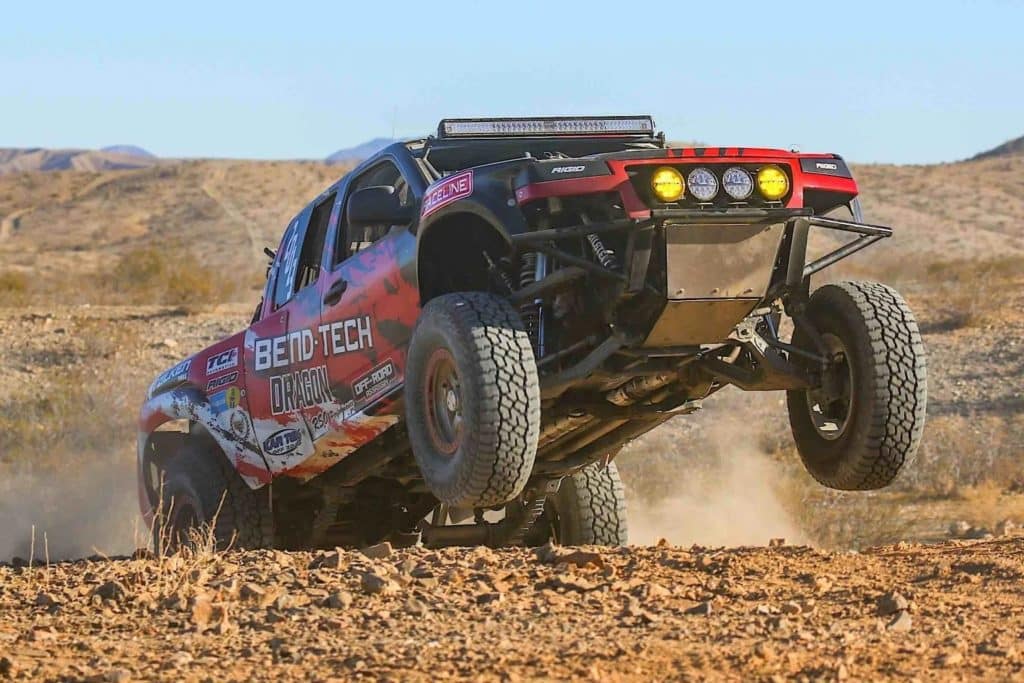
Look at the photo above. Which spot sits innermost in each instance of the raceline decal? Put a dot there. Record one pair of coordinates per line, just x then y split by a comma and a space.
344, 336
446, 191
282, 442
218, 382
371, 384
225, 360
300, 389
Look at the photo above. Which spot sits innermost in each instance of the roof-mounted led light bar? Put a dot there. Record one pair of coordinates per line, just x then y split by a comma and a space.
546, 126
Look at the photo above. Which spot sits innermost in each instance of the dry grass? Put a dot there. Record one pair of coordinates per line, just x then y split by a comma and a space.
149, 275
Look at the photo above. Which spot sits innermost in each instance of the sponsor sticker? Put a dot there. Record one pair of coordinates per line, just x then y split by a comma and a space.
226, 400
225, 360
218, 382
239, 423
282, 442
300, 389
370, 385
320, 424
825, 166
446, 191
567, 169
178, 372
337, 338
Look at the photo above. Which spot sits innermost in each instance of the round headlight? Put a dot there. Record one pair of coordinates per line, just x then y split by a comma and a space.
667, 184
737, 183
703, 184
772, 183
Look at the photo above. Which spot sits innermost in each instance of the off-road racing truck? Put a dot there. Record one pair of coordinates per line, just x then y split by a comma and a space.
457, 337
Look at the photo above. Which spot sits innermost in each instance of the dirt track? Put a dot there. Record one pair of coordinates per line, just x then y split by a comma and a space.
655, 613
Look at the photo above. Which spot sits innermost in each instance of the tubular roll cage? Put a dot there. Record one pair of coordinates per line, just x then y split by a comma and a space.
798, 225
789, 279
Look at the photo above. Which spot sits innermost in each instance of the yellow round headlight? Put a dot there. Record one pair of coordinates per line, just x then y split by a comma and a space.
667, 184
772, 183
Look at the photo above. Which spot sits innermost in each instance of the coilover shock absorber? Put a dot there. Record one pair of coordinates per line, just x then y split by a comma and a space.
529, 312
533, 267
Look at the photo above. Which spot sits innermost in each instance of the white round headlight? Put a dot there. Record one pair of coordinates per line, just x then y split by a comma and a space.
738, 183
703, 184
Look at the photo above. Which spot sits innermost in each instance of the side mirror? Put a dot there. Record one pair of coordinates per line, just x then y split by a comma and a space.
377, 205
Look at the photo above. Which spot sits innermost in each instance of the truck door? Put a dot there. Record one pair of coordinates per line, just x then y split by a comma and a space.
368, 309
281, 355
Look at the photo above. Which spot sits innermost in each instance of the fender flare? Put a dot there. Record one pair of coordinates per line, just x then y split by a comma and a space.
187, 403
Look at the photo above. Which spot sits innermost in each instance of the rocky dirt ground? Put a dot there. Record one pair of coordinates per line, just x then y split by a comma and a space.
950, 611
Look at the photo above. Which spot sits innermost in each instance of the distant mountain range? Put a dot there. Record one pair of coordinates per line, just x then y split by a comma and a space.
114, 157
1009, 148
359, 152
106, 159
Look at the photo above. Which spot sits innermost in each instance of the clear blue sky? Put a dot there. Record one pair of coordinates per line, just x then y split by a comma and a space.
908, 82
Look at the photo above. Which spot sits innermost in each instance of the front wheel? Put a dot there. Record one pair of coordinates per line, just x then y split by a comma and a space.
863, 423
205, 502
472, 400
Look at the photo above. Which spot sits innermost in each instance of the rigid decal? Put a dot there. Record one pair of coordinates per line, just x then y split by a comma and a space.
343, 336
218, 382
225, 360
374, 382
300, 389
282, 442
446, 191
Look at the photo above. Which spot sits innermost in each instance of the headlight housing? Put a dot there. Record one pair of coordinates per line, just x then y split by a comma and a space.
703, 184
667, 184
738, 183
772, 182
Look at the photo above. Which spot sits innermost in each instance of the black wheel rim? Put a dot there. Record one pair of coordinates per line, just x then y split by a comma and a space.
443, 397
830, 406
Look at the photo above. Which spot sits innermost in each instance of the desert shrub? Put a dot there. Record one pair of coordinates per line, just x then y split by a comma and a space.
13, 287
165, 276
973, 291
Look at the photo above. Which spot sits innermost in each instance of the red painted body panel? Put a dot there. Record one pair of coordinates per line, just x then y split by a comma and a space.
619, 180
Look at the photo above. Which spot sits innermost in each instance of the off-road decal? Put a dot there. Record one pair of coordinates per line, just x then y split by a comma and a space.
446, 191
374, 382
300, 389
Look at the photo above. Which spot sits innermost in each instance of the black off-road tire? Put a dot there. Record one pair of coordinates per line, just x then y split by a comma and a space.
489, 460
887, 364
201, 479
588, 509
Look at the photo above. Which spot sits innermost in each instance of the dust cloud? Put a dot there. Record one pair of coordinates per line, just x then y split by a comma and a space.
82, 511
735, 504
722, 488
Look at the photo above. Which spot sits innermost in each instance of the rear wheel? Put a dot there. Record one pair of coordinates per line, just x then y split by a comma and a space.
588, 509
472, 400
860, 427
203, 497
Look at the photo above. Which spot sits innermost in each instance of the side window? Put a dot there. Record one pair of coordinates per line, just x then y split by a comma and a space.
286, 265
313, 249
298, 265
352, 240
